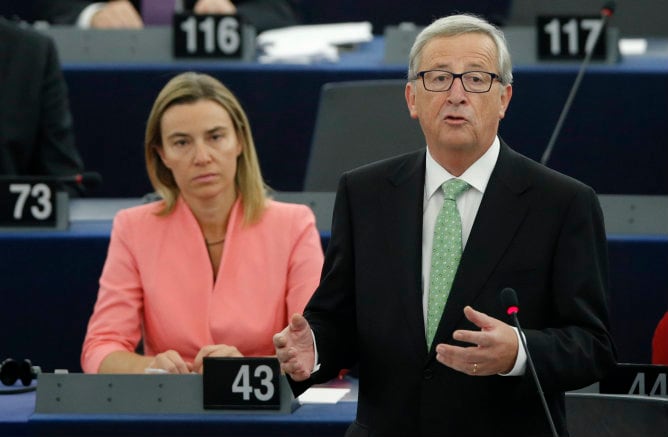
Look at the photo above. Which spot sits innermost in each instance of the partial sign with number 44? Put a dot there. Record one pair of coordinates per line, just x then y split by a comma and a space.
241, 383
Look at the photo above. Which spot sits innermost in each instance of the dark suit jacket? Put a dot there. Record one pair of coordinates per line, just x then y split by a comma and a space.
262, 14
36, 132
536, 230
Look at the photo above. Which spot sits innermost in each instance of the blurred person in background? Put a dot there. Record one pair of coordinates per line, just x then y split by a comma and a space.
126, 14
36, 129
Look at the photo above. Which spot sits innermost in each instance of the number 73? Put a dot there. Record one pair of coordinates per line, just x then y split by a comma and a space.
41, 192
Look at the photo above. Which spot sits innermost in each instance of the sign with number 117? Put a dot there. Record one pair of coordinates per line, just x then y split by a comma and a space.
565, 37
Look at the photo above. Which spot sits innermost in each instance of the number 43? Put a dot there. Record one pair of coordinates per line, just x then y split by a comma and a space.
242, 384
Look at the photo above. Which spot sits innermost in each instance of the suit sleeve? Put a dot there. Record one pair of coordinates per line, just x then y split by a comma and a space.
579, 350
56, 151
268, 14
60, 11
331, 311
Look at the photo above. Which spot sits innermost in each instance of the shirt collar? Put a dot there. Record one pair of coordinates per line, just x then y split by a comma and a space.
477, 175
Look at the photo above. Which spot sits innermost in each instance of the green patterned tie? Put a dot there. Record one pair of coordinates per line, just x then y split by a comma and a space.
445, 255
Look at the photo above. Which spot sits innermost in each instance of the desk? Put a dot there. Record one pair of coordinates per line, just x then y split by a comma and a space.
589, 415
50, 282
614, 138
316, 420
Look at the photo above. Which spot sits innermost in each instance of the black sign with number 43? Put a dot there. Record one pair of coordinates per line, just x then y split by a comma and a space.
207, 36
27, 202
241, 383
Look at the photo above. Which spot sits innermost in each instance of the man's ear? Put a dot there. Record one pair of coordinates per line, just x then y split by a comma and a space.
410, 98
506, 95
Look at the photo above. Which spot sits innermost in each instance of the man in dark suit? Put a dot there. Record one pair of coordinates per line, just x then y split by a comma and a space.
36, 132
262, 14
522, 226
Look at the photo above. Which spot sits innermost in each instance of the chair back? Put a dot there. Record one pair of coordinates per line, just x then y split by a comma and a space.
359, 122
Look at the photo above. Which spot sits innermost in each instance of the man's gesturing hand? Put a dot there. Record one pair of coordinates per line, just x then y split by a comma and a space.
294, 348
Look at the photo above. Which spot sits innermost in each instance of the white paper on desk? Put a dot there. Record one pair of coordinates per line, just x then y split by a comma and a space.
318, 395
306, 52
632, 46
310, 43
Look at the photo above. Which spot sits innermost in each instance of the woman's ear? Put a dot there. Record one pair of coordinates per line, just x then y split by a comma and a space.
160, 151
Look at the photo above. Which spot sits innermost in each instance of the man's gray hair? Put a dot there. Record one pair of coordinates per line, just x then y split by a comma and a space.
454, 25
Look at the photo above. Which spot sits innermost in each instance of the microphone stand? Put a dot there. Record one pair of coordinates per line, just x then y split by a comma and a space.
606, 13
535, 376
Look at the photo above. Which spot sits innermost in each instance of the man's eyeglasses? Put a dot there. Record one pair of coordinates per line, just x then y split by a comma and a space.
473, 81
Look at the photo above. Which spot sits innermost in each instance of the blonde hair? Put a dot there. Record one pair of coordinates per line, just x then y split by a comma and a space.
188, 88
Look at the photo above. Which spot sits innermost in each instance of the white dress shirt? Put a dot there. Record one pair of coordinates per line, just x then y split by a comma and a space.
468, 203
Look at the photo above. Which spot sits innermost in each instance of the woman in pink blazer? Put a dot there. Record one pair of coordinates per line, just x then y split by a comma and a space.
215, 268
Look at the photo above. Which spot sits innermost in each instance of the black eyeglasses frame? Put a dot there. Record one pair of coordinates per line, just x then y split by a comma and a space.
494, 77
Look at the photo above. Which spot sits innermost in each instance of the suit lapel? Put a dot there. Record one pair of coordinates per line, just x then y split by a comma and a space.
501, 212
402, 208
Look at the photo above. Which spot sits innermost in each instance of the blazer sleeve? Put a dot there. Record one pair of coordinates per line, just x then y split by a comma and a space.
116, 321
579, 350
305, 262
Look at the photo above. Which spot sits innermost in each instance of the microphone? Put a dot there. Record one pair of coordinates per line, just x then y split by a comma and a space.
607, 11
86, 179
75, 184
509, 301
